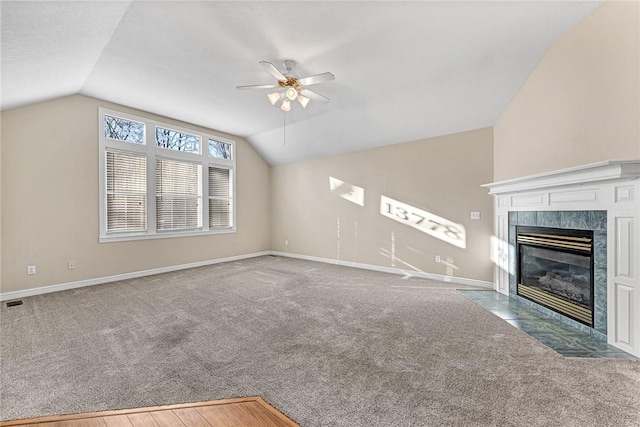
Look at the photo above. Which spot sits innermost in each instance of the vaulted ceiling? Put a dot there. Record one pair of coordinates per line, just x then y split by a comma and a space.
404, 70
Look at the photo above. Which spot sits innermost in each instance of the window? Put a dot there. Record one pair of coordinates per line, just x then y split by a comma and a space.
123, 129
174, 140
178, 195
126, 192
219, 197
219, 149
157, 180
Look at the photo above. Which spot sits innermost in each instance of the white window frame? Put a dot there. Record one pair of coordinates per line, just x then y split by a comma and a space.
151, 150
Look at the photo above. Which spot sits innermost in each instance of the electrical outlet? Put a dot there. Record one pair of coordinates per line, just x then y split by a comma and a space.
437, 258
71, 265
31, 269
286, 242
475, 215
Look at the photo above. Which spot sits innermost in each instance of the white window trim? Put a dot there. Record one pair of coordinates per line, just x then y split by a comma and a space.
150, 149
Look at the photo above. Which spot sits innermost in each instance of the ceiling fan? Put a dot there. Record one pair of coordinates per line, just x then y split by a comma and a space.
290, 87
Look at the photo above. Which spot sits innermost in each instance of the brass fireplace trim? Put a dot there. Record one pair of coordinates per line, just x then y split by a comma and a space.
567, 242
558, 304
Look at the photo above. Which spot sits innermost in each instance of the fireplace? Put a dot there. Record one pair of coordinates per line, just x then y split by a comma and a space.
602, 198
555, 269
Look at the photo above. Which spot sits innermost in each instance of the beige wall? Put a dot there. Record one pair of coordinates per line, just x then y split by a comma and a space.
439, 175
581, 104
50, 201
0, 203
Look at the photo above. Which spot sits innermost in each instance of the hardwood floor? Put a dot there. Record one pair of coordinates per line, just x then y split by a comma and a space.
243, 412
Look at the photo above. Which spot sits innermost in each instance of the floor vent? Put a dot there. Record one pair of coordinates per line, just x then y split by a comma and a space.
14, 303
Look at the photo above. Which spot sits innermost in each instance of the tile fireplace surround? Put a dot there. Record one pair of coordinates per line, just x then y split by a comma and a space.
582, 197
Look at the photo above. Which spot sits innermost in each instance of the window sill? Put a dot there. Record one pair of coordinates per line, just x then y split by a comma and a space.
165, 235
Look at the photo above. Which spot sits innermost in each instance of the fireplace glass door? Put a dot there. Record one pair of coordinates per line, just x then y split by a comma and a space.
556, 270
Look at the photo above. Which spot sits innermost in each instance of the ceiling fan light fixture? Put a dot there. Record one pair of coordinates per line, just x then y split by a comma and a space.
289, 87
303, 100
274, 97
291, 93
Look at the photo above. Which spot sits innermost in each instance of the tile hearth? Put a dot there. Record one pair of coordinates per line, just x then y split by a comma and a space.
562, 338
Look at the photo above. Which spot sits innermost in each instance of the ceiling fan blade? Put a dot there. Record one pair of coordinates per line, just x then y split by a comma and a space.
318, 78
271, 69
314, 96
257, 87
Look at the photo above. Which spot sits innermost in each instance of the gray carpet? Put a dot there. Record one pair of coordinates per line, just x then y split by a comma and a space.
327, 345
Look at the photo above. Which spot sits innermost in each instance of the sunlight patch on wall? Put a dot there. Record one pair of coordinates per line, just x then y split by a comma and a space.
449, 266
393, 249
433, 225
499, 253
347, 191
338, 237
391, 255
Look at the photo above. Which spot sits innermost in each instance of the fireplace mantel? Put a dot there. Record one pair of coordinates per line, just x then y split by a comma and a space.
610, 170
612, 186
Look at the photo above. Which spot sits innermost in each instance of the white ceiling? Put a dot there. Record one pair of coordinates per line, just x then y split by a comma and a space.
404, 70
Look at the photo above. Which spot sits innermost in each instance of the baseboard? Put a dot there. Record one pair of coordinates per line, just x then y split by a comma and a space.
392, 270
108, 279
101, 280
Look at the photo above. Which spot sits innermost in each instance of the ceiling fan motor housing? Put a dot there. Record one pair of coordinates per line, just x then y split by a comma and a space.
289, 65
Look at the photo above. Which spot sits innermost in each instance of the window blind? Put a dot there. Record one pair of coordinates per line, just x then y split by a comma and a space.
220, 214
178, 195
126, 192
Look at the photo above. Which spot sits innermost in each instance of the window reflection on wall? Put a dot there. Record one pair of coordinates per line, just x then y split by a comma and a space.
347, 191
433, 225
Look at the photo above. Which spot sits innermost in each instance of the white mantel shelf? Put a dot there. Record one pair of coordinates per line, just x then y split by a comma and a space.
610, 170
612, 186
